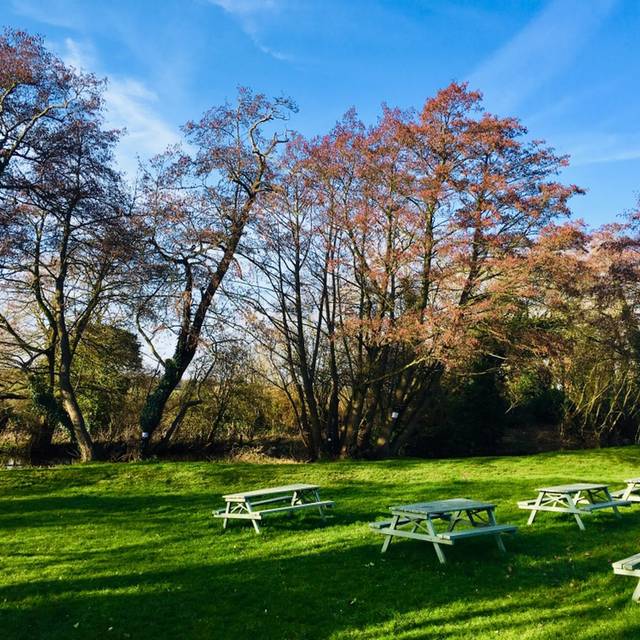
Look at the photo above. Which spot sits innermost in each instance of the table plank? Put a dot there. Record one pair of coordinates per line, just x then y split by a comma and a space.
604, 505
573, 488
489, 530
295, 507
288, 488
441, 506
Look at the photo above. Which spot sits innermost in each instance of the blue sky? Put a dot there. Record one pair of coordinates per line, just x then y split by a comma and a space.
568, 68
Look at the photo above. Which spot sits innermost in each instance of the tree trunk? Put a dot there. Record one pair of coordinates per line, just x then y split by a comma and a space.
189, 336
71, 406
153, 409
175, 424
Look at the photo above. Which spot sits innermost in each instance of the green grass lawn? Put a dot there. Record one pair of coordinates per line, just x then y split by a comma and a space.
131, 551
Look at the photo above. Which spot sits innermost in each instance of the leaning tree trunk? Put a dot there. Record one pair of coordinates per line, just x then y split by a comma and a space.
188, 339
163, 445
153, 409
65, 386
71, 406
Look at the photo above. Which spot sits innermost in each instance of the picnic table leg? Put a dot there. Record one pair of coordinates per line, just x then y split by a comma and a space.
227, 510
455, 518
636, 593
316, 493
387, 540
534, 511
474, 517
498, 537
610, 499
253, 522
436, 546
296, 498
574, 509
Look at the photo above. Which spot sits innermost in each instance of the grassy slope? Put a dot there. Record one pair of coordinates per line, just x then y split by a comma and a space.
130, 551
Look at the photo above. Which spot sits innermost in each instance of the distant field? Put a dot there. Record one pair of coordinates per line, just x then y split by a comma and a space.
131, 551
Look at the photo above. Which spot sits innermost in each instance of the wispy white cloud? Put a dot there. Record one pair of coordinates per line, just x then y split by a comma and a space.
540, 51
251, 16
130, 105
81, 56
602, 148
52, 13
246, 7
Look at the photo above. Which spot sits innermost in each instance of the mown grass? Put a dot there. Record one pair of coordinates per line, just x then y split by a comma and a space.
131, 551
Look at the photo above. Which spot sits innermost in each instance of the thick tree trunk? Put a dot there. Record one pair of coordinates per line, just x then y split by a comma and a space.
352, 421
313, 417
333, 417
414, 418
71, 406
189, 336
58, 321
156, 402
65, 386
365, 428
333, 406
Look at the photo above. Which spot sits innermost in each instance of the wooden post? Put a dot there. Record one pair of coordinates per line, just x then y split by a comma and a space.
534, 511
387, 540
436, 546
610, 499
574, 509
498, 537
224, 522
320, 507
250, 510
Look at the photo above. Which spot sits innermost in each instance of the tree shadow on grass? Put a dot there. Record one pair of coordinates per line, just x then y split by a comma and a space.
310, 581
356, 502
337, 593
82, 509
313, 586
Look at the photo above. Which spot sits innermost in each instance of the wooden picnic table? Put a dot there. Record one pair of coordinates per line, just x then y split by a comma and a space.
248, 505
418, 521
631, 492
629, 567
577, 499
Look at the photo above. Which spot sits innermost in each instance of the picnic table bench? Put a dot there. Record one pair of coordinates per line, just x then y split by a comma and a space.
631, 492
418, 522
577, 499
293, 497
629, 567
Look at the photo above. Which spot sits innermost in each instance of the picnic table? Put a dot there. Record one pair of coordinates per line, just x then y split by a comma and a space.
418, 521
629, 567
630, 492
248, 505
577, 499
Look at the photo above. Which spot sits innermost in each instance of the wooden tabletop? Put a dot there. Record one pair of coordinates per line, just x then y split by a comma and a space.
573, 488
442, 506
287, 488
